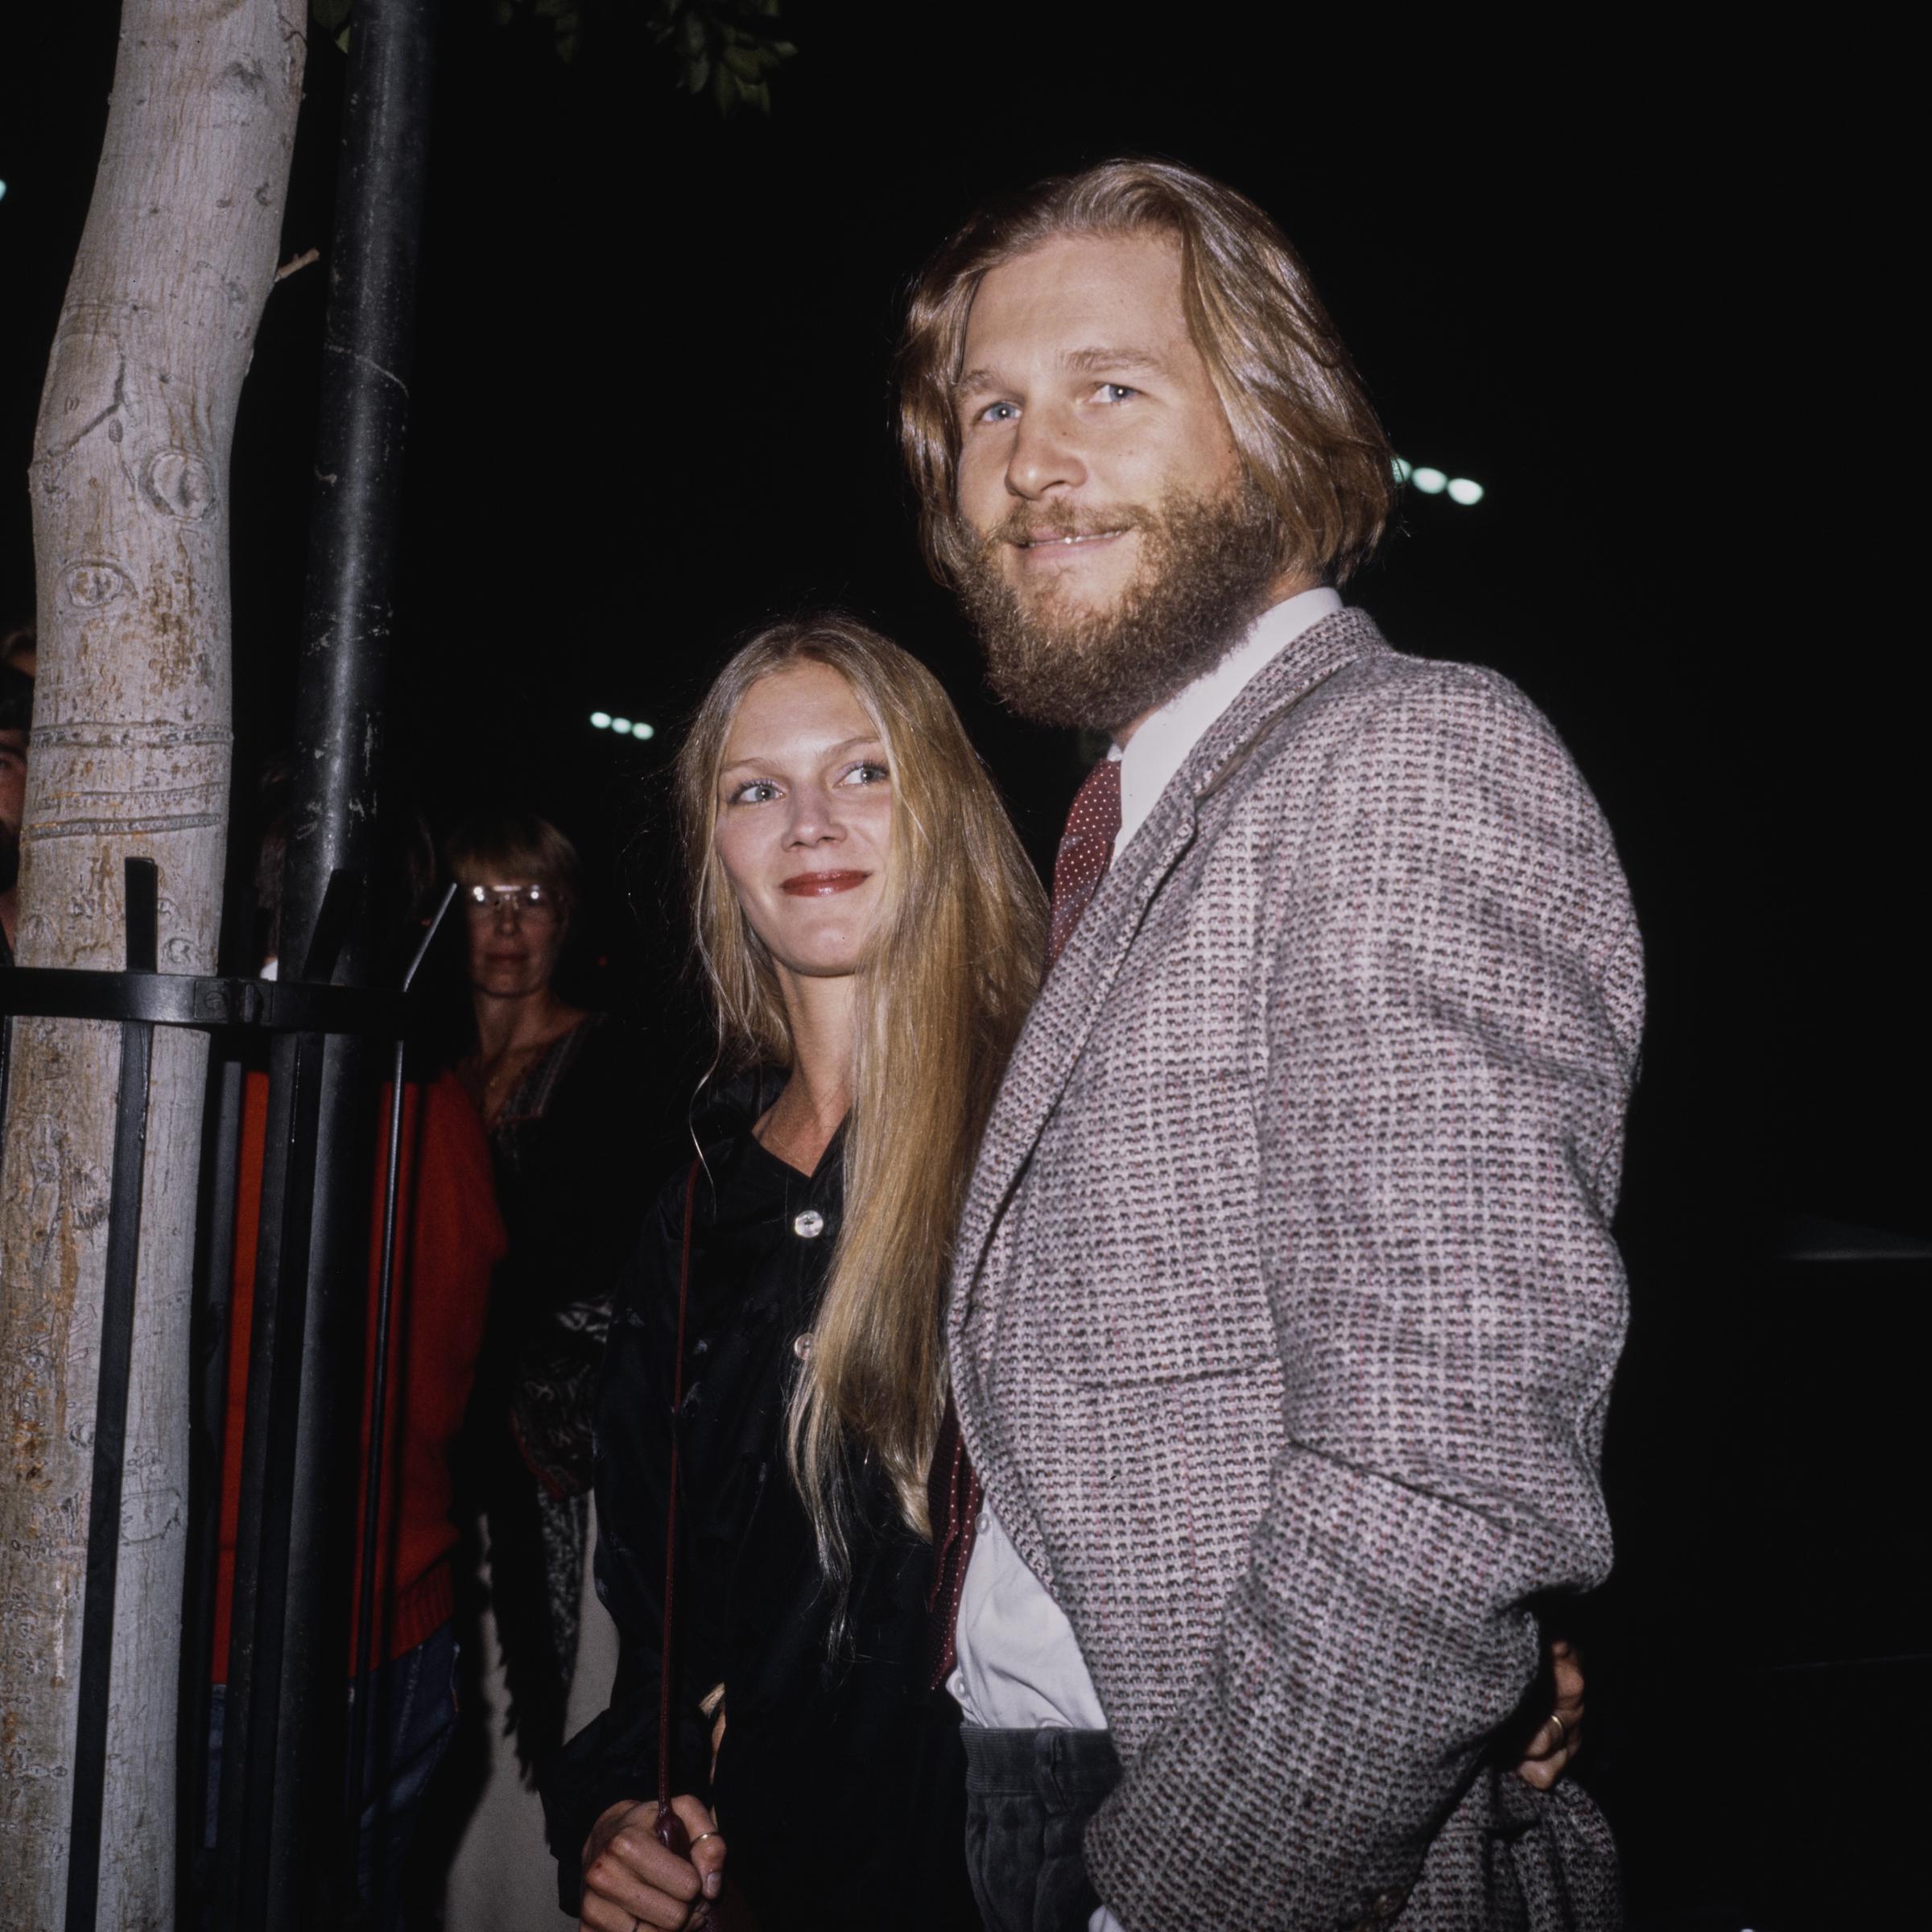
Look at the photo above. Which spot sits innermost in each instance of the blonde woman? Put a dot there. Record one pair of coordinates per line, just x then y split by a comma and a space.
871, 933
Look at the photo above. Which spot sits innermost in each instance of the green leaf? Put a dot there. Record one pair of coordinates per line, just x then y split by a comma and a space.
726, 46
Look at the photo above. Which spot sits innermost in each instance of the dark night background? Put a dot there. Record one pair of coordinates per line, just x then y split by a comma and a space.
1648, 291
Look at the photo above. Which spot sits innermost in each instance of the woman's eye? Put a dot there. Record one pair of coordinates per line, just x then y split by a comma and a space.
756, 793
998, 412
1115, 392
867, 774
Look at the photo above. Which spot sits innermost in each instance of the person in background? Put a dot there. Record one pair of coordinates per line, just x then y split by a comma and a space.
870, 932
18, 663
569, 1101
448, 1240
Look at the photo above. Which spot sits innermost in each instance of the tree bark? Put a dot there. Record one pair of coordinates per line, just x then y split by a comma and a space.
130, 755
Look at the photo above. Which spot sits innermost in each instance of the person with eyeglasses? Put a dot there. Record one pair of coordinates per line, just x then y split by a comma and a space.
567, 1098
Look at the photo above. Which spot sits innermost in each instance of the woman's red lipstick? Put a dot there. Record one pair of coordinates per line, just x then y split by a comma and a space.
822, 884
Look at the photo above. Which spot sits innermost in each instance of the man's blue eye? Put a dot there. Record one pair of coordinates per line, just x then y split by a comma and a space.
991, 412
1117, 392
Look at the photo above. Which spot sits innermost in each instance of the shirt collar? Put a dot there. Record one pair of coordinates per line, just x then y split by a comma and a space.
1158, 749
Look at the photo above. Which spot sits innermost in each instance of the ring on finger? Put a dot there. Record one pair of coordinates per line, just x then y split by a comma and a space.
1563, 1731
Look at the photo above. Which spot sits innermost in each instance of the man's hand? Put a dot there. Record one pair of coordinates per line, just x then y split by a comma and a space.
1560, 1736
630, 1880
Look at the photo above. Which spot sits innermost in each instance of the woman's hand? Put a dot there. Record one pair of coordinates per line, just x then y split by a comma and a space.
630, 1880
1560, 1736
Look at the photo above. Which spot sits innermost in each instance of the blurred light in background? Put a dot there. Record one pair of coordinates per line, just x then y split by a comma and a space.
3, 191
624, 727
1433, 482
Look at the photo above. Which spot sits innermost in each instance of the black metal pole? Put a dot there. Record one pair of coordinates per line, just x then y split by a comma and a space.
210, 1335
359, 460
259, 1709
208, 1419
372, 1495
117, 1357
281, 1867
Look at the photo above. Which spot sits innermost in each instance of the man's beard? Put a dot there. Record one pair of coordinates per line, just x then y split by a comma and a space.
1206, 570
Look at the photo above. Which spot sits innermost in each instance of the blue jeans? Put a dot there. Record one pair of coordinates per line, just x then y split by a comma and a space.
412, 1718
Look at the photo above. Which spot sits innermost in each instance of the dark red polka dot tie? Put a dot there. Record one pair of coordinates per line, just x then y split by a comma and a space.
1086, 847
953, 1491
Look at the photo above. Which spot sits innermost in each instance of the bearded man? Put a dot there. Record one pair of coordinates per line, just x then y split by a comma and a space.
1284, 1308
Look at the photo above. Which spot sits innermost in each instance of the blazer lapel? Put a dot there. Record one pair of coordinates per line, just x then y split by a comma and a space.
1075, 990
1057, 1028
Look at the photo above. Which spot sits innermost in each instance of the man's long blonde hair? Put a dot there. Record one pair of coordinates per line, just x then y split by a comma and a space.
941, 997
1298, 414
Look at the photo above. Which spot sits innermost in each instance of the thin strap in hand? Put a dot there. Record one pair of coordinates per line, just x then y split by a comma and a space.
670, 1828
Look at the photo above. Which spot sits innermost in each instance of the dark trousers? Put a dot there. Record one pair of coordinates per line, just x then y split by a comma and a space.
412, 1717
1029, 1795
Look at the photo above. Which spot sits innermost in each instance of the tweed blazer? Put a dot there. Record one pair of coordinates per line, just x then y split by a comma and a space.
1285, 1307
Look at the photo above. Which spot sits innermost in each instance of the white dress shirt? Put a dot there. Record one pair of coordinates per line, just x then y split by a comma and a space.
1020, 1667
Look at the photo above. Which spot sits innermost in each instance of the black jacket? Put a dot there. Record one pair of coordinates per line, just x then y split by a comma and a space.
840, 1788
580, 1126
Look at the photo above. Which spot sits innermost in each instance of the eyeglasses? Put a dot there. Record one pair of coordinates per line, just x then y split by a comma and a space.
537, 901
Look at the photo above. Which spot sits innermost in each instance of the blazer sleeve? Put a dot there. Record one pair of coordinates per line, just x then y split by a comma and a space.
1452, 999
616, 1755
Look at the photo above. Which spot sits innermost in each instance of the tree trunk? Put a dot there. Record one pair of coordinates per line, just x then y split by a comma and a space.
130, 755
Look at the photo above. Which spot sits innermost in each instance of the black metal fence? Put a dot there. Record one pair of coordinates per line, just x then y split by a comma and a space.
308, 1013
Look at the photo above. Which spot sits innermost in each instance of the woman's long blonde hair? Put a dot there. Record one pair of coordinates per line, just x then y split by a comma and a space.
941, 997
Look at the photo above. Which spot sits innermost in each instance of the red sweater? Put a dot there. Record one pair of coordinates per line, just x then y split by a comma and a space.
449, 1238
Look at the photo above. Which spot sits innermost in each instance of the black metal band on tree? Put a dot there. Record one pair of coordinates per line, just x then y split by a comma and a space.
205, 1002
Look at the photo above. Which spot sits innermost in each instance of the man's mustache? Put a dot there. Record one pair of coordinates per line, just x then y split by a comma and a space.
1027, 524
